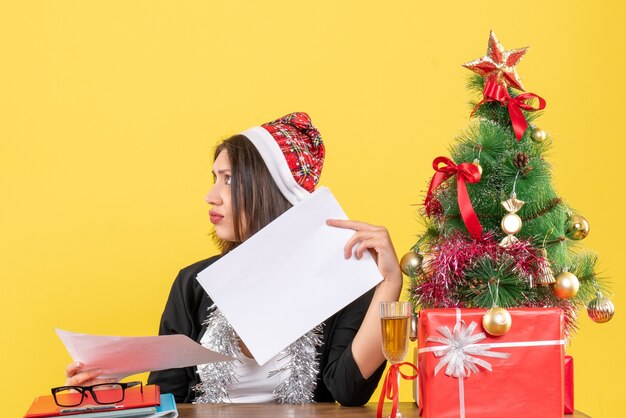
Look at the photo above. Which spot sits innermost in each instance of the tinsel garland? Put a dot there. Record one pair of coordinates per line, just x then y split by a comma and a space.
301, 371
216, 378
453, 255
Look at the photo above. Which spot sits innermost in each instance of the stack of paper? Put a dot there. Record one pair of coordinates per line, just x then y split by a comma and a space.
119, 357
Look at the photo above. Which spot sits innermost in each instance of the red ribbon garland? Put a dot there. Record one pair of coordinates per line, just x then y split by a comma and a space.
497, 92
390, 387
465, 172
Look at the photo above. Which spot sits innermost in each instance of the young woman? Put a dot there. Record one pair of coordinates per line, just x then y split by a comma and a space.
258, 175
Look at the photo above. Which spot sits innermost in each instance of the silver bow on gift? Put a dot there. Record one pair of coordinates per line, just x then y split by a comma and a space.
459, 350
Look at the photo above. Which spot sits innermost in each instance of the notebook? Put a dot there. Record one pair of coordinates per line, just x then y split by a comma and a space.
167, 409
147, 412
44, 406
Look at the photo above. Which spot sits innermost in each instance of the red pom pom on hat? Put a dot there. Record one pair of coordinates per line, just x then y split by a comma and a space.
293, 151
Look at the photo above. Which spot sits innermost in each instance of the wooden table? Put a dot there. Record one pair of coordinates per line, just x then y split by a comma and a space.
408, 409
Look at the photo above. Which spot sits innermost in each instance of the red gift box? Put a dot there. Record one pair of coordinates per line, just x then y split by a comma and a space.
455, 355
568, 372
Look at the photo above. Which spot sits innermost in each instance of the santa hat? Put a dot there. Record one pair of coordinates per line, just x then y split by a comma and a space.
293, 152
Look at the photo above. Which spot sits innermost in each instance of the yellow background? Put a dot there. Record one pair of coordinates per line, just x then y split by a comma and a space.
109, 111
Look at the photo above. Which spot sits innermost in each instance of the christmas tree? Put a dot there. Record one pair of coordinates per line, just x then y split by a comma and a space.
497, 234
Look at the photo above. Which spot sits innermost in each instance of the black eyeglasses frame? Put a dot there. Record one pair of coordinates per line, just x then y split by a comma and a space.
84, 390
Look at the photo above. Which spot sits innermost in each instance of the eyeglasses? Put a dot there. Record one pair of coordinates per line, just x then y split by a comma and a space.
104, 393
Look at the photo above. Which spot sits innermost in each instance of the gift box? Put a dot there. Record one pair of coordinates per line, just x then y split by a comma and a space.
465, 372
568, 376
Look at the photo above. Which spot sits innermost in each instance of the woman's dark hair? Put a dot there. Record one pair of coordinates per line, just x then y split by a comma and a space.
256, 200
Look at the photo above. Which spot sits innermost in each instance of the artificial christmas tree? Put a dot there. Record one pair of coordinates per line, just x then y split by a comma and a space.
498, 237
497, 233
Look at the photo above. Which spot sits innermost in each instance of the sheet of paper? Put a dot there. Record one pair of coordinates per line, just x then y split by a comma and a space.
289, 277
124, 356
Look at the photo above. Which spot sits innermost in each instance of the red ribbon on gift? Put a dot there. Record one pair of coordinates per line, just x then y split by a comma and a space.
390, 387
494, 91
465, 172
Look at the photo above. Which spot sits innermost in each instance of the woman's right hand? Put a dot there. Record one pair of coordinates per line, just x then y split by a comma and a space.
77, 375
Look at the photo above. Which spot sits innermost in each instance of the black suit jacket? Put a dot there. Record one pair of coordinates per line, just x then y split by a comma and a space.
339, 378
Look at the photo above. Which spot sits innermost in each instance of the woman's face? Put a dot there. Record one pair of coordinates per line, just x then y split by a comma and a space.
219, 197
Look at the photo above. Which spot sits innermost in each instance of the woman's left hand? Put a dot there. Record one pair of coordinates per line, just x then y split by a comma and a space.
377, 241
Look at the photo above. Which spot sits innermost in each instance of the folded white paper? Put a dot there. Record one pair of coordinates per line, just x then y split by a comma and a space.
289, 277
124, 356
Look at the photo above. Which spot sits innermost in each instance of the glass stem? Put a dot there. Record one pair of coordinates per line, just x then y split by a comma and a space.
398, 414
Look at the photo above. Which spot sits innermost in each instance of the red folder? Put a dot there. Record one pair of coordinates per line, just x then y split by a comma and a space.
44, 406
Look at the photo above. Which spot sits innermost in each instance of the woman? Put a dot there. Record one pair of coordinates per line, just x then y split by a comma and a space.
258, 175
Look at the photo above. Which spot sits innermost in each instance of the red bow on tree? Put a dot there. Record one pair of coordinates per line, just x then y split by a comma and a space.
494, 91
465, 172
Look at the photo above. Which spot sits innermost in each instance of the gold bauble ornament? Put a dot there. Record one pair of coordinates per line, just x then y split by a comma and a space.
411, 263
538, 135
497, 321
601, 309
566, 285
476, 162
511, 224
577, 227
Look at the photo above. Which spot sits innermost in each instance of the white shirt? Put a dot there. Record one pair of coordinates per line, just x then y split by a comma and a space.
252, 382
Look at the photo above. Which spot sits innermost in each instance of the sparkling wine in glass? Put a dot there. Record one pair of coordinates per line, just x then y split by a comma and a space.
395, 319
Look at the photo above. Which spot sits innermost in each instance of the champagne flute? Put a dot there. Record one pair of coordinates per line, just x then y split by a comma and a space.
395, 318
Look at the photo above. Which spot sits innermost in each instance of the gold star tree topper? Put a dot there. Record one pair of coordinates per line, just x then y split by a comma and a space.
499, 65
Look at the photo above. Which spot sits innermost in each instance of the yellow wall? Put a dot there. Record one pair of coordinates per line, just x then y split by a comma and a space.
109, 111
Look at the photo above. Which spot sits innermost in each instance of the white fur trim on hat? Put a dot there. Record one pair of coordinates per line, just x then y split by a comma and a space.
276, 164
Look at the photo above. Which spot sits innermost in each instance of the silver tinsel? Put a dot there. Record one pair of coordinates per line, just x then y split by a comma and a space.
301, 370
216, 378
